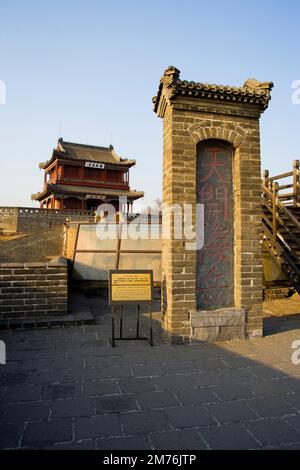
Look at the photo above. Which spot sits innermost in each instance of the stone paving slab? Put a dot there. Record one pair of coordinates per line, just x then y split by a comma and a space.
67, 388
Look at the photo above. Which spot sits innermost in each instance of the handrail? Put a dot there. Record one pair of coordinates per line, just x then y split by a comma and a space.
286, 186
281, 225
267, 190
280, 205
289, 266
294, 195
281, 176
286, 196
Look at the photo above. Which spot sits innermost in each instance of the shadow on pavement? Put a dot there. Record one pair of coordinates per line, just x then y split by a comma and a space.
67, 388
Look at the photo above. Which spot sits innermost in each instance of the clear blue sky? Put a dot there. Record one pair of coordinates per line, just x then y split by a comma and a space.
87, 69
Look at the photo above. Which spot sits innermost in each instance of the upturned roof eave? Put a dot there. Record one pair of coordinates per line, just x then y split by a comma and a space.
65, 189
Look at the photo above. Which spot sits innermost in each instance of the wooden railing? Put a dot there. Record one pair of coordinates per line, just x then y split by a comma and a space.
290, 197
276, 211
281, 223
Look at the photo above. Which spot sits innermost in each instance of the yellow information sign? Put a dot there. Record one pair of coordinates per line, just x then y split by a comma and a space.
130, 286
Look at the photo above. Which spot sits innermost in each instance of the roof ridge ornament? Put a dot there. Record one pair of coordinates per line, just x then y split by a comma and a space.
252, 83
170, 76
60, 147
167, 89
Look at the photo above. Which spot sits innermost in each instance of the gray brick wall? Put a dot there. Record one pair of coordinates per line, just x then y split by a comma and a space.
33, 289
30, 219
33, 247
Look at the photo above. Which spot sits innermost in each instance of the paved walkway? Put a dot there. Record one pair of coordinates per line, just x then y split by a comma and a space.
68, 389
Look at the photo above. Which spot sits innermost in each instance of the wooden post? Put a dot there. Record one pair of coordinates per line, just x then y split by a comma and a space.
275, 189
295, 181
265, 182
265, 177
270, 188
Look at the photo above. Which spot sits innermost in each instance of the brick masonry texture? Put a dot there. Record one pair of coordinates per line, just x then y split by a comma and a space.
31, 220
40, 232
33, 247
33, 289
218, 325
189, 119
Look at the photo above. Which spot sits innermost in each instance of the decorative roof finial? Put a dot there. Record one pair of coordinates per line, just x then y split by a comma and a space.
171, 75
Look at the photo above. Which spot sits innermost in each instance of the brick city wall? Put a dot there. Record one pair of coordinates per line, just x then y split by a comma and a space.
33, 247
31, 220
33, 289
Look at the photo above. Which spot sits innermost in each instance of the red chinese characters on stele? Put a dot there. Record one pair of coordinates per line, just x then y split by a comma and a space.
215, 259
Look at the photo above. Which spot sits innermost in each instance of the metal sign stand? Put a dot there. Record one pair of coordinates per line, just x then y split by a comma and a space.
137, 337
